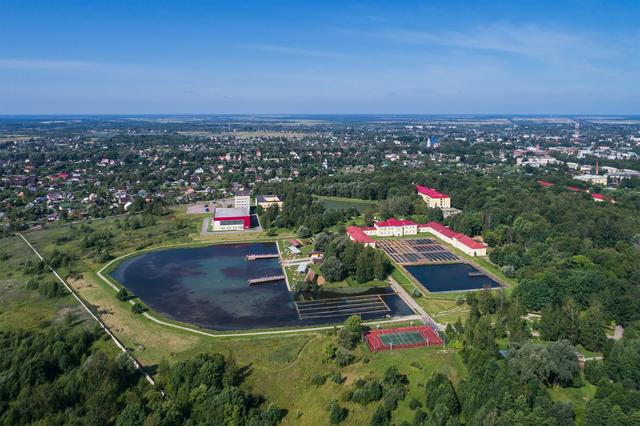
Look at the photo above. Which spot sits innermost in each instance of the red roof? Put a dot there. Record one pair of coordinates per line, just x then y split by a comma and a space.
395, 222
449, 233
545, 183
598, 197
358, 235
440, 228
469, 242
574, 189
430, 192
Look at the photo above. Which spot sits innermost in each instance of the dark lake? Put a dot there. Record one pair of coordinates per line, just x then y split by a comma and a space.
451, 277
208, 286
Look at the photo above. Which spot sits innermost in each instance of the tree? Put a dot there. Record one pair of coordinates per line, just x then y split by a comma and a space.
530, 362
332, 269
137, 308
303, 232
364, 266
132, 415
551, 323
623, 362
337, 414
592, 329
381, 265
380, 417
564, 362
123, 295
439, 390
353, 325
570, 321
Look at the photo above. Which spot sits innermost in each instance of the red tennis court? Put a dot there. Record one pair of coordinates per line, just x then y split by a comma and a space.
403, 337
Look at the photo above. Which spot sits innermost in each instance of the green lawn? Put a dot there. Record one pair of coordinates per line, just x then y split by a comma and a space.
578, 397
307, 403
337, 203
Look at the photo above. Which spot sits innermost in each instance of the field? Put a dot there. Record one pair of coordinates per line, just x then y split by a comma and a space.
577, 396
337, 203
278, 367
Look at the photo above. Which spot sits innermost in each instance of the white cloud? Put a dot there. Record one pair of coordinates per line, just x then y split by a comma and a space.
299, 51
547, 44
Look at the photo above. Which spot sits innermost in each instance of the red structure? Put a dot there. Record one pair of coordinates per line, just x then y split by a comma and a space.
357, 234
430, 192
429, 338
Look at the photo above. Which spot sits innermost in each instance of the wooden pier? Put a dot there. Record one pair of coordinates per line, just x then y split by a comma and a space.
262, 256
263, 280
476, 274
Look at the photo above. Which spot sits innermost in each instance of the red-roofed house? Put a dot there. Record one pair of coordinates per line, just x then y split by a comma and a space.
545, 184
357, 235
460, 241
598, 197
433, 198
395, 227
574, 189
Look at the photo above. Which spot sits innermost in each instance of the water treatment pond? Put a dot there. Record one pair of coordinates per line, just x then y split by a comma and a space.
208, 286
451, 277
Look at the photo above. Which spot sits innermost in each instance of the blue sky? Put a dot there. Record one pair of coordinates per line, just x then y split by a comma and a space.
125, 57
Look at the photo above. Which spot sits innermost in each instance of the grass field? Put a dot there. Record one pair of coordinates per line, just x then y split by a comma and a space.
578, 397
308, 403
22, 308
279, 366
337, 203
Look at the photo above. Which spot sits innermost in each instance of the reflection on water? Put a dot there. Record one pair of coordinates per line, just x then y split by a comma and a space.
450, 277
208, 286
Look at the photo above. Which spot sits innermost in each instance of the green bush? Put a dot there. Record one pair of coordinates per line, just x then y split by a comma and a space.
123, 295
138, 308
337, 414
317, 379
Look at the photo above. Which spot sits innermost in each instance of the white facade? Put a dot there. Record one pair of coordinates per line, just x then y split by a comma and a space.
227, 225
242, 201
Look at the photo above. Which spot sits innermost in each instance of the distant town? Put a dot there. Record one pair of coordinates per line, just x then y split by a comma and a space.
85, 168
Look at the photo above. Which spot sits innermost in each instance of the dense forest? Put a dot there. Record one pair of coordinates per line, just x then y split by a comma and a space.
59, 375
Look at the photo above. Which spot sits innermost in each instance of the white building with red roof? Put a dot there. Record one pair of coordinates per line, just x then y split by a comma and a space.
357, 235
395, 227
460, 241
433, 198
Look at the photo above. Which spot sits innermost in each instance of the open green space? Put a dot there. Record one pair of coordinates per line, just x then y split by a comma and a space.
338, 203
578, 397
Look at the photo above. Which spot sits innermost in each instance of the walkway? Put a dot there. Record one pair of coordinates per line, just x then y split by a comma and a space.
241, 334
119, 344
406, 297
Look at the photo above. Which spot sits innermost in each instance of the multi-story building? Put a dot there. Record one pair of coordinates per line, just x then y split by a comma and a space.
231, 219
395, 228
433, 198
243, 199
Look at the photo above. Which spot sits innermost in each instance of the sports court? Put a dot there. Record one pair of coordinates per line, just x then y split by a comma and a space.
416, 251
342, 306
401, 338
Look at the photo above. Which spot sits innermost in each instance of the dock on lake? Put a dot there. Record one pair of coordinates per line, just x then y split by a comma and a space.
263, 280
262, 256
